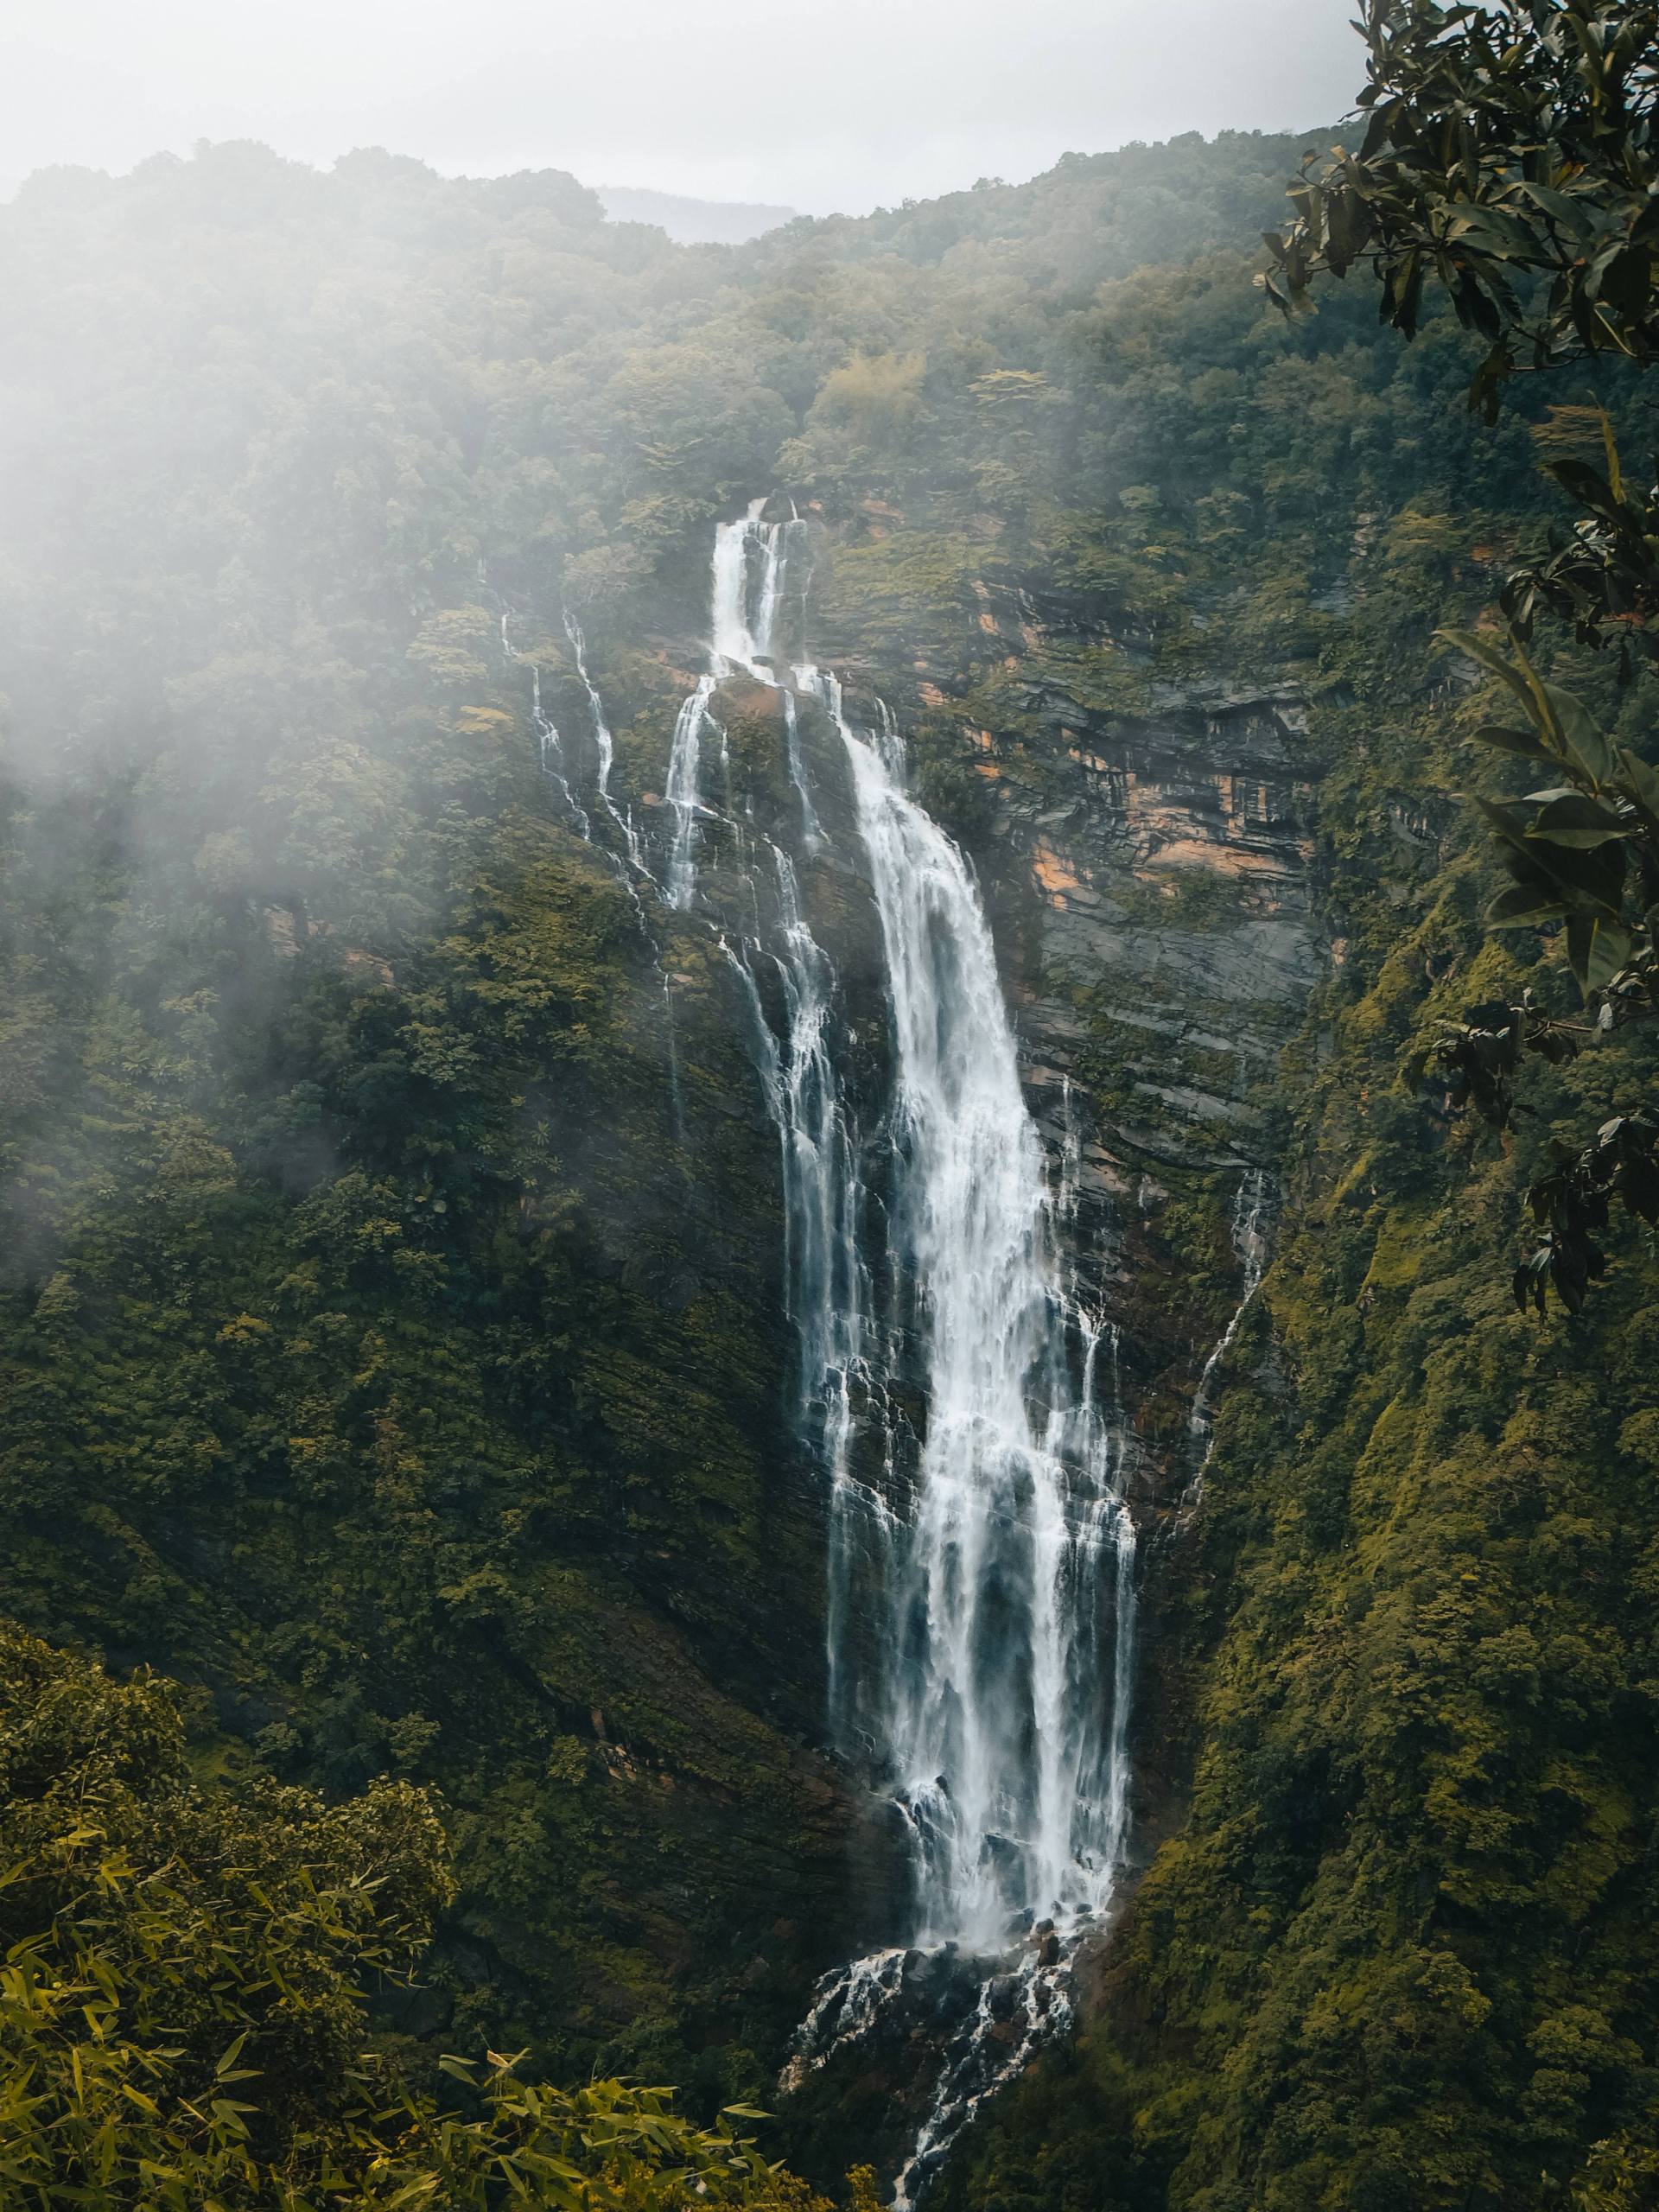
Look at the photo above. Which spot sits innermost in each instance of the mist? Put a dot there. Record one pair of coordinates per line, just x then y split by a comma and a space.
822, 107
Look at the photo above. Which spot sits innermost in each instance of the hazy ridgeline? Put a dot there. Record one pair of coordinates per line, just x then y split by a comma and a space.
693, 222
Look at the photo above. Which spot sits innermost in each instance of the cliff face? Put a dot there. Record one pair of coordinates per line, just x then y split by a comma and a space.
395, 1341
1148, 865
1175, 933
1148, 874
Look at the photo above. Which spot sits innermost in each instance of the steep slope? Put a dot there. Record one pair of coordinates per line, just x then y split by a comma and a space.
395, 1239
397, 1342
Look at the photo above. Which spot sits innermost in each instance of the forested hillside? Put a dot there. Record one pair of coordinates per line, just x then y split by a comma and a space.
393, 1272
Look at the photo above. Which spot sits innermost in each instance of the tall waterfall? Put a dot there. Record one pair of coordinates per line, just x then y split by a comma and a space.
982, 1572
998, 1699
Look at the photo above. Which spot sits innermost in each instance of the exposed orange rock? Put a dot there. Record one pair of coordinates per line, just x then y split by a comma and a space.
364, 965
1056, 875
282, 933
1203, 852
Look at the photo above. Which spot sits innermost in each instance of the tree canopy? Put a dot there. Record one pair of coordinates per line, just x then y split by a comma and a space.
182, 2003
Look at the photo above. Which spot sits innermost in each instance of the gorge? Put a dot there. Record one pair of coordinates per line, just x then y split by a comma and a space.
720, 1165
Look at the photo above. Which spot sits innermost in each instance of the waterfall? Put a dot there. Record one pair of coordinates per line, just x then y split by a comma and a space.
981, 1574
751, 564
1248, 1231
812, 829
1000, 1702
549, 745
604, 744
684, 761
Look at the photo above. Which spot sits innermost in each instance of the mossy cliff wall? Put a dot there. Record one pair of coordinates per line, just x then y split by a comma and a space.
1399, 1951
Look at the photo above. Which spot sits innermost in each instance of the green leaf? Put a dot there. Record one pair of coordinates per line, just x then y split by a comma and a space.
1525, 742
1565, 211
1489, 658
1524, 904
1581, 734
1597, 949
1639, 778
1575, 819
230, 2056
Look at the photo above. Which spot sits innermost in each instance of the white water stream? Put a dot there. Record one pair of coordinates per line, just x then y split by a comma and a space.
549, 746
604, 746
1249, 1231
995, 1685
746, 598
982, 1580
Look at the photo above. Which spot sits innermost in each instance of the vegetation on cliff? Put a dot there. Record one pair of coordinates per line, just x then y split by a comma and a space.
1400, 1952
392, 1312
183, 2019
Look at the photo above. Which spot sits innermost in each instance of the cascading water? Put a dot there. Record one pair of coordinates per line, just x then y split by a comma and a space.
604, 744
995, 1701
981, 1582
548, 744
812, 829
1249, 1242
685, 764
750, 568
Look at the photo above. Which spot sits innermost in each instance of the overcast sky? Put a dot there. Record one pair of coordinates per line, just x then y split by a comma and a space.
822, 105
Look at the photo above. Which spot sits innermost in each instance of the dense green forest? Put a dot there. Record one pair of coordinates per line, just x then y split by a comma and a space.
391, 1258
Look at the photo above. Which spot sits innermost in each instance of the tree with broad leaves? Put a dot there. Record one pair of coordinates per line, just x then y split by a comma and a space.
184, 2021
1510, 156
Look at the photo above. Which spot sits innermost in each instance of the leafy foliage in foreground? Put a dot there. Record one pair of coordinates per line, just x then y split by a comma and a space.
1511, 153
1584, 853
1506, 146
182, 2004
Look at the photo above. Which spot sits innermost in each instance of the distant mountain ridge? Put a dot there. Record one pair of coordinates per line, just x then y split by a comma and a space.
693, 222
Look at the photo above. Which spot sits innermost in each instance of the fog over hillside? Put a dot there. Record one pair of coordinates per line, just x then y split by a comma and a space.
829, 105
827, 1321
693, 222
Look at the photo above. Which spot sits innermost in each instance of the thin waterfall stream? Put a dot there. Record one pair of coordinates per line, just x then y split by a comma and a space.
1248, 1232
